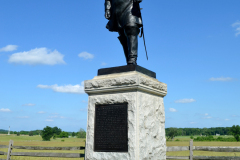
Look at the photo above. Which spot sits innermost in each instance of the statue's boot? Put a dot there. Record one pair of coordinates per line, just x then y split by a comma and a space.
124, 42
132, 49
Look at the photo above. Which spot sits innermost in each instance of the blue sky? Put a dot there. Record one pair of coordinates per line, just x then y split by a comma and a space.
48, 48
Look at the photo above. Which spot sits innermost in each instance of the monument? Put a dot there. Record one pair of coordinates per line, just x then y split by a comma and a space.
9, 131
126, 118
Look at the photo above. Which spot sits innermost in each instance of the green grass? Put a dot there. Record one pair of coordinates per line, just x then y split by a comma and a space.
71, 142
184, 141
187, 138
37, 141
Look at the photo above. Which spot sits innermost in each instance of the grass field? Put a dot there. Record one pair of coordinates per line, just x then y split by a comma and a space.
184, 141
71, 142
37, 141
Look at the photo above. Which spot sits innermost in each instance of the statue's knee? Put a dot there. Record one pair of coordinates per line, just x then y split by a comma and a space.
121, 32
132, 30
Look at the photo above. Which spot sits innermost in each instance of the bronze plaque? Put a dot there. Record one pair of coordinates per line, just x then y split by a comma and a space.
111, 128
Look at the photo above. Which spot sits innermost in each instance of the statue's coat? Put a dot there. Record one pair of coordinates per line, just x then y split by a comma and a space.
124, 12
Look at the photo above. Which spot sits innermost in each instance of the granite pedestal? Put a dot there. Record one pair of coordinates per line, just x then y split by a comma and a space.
126, 118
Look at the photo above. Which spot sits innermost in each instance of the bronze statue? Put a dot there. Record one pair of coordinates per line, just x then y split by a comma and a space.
125, 18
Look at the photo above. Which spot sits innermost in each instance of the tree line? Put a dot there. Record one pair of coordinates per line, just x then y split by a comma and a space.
206, 134
54, 132
200, 131
49, 132
179, 131
34, 132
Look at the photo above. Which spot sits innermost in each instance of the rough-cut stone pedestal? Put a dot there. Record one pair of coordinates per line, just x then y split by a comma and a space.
146, 116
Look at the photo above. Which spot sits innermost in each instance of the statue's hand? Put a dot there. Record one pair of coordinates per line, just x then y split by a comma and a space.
107, 14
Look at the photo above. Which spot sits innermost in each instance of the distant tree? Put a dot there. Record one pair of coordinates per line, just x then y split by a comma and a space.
56, 130
35, 132
172, 133
73, 134
39, 132
47, 133
24, 132
30, 133
18, 133
180, 132
235, 131
63, 135
81, 133
54, 136
15, 132
206, 131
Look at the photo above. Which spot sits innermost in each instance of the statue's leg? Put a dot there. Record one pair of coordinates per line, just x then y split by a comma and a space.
123, 40
132, 38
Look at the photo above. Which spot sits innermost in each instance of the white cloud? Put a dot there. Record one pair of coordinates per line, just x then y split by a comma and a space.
49, 120
8, 48
237, 26
185, 100
206, 114
5, 110
103, 64
227, 119
23, 117
53, 116
172, 110
208, 117
222, 79
41, 112
29, 104
76, 89
86, 55
38, 56
237, 23
56, 116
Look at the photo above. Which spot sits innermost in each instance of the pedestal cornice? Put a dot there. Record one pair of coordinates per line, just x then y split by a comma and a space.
122, 82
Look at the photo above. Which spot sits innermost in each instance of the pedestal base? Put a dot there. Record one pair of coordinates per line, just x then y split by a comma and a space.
145, 114
127, 68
